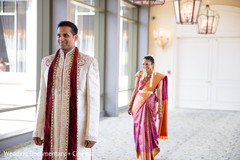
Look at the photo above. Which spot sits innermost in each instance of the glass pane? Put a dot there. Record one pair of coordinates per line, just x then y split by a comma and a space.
85, 22
96, 3
124, 11
127, 53
90, 25
21, 37
7, 43
196, 11
177, 14
91, 2
124, 98
13, 37
127, 61
186, 9
82, 9
8, 7
17, 66
128, 11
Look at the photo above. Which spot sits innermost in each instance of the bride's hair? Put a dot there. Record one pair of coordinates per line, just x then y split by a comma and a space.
149, 58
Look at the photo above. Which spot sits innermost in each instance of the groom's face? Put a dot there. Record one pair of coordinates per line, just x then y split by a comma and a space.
65, 38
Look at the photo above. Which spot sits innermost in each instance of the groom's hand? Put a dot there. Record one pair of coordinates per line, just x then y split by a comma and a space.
89, 144
38, 141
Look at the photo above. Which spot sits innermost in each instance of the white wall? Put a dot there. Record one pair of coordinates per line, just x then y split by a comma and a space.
165, 18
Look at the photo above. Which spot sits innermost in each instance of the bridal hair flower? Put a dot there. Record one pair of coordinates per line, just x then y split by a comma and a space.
144, 74
153, 73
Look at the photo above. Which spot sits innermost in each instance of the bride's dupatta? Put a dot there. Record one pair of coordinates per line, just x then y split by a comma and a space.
162, 123
144, 113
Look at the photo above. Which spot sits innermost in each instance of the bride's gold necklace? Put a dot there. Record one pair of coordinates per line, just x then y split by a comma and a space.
148, 75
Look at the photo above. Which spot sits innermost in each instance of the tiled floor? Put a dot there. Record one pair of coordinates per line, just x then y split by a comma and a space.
193, 134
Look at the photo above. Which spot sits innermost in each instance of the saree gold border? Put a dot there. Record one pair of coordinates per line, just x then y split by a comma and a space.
163, 137
147, 155
160, 124
53, 99
144, 91
156, 151
68, 98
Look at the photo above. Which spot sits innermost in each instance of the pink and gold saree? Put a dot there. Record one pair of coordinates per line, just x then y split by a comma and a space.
147, 128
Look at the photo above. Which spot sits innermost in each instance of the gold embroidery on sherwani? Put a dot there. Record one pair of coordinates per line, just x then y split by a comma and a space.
69, 71
67, 109
52, 114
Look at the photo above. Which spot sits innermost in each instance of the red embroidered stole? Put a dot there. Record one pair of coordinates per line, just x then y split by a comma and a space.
72, 127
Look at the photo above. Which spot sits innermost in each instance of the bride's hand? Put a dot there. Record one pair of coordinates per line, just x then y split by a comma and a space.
130, 110
159, 114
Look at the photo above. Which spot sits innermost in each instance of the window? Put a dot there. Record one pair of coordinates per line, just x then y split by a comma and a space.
17, 66
89, 18
127, 52
13, 20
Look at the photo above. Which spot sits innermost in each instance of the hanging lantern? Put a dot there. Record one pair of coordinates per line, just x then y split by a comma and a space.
148, 2
207, 21
186, 11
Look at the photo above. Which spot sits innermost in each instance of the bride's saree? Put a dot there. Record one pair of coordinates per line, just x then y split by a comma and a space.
144, 112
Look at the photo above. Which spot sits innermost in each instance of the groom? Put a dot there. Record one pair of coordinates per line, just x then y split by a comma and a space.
69, 100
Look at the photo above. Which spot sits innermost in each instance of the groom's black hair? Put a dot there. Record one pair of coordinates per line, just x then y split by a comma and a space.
69, 24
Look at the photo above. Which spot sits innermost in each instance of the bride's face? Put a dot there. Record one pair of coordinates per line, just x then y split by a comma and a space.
147, 65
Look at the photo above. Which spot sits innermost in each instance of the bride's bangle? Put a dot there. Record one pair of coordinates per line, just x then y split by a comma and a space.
160, 108
130, 104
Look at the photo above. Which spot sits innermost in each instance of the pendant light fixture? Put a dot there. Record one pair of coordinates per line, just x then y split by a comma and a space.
186, 11
148, 2
207, 21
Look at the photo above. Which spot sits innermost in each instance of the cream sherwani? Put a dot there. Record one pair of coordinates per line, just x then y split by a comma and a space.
88, 101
